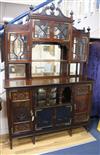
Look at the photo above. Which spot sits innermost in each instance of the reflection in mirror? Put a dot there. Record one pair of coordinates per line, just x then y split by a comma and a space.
16, 70
46, 60
73, 69
78, 68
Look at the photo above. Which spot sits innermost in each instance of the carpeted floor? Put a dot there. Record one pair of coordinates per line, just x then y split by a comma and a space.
92, 148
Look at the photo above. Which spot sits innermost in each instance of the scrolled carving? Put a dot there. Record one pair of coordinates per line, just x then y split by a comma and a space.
21, 112
52, 11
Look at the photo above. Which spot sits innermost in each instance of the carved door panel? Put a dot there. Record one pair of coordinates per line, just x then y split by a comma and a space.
21, 111
82, 102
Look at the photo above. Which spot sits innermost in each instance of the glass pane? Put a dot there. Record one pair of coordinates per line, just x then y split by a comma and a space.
79, 49
16, 70
61, 31
18, 47
41, 29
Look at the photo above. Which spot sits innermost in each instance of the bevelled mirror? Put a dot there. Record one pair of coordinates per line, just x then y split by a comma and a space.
46, 60
17, 70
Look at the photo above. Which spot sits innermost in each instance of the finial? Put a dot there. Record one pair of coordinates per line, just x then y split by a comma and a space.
52, 8
84, 29
31, 7
5, 22
88, 29
71, 13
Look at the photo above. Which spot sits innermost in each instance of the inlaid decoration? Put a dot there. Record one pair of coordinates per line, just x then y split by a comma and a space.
81, 118
22, 127
19, 95
83, 89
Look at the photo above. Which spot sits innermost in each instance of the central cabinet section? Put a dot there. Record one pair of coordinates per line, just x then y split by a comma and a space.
53, 107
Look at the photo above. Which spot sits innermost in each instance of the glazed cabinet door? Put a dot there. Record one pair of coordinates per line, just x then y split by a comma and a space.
17, 43
18, 51
80, 46
45, 99
82, 102
21, 114
53, 107
63, 115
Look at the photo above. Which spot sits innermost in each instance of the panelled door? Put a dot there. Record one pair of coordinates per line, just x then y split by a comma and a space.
82, 102
18, 50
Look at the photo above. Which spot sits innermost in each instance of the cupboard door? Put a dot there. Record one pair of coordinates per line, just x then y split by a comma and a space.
18, 51
21, 111
43, 118
18, 43
80, 44
63, 115
82, 102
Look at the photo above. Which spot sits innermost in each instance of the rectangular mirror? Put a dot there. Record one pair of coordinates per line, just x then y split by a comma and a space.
16, 70
75, 69
46, 60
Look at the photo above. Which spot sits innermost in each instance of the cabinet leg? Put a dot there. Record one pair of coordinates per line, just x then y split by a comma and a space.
70, 132
10, 141
87, 128
33, 139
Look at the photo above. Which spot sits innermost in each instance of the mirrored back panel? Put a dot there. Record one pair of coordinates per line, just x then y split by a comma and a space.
46, 60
